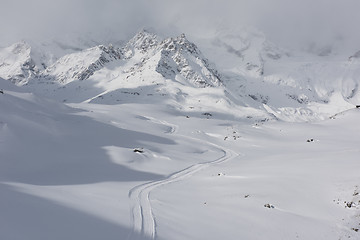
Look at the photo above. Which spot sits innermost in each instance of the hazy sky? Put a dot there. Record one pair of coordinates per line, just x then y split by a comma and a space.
281, 20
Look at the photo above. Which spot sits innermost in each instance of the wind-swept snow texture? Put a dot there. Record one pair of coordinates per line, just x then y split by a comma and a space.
153, 140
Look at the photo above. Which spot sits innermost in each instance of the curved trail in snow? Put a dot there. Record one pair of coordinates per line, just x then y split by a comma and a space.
173, 128
144, 224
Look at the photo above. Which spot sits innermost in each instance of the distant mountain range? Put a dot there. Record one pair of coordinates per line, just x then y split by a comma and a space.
241, 69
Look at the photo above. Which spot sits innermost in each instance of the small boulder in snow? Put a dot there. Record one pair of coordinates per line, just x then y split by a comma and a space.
137, 150
269, 205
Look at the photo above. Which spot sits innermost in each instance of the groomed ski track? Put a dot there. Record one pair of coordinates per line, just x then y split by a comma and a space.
142, 216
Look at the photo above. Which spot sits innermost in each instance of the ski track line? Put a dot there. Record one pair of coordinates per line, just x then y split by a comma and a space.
144, 224
173, 128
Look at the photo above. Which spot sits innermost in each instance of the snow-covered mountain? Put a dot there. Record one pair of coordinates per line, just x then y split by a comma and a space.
175, 56
167, 138
28, 59
246, 68
80, 65
147, 68
243, 51
292, 85
16, 63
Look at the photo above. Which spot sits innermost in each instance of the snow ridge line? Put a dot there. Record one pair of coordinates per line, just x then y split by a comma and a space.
144, 224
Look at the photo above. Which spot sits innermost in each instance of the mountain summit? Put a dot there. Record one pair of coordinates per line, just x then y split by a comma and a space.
16, 63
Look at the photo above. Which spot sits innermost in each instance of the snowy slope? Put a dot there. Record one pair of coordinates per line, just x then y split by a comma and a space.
77, 167
281, 187
16, 64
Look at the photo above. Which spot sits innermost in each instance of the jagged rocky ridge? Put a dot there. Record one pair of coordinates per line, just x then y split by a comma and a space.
175, 56
254, 73
80, 66
181, 56
178, 56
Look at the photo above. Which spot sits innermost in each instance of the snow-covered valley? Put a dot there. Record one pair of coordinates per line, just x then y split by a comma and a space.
162, 139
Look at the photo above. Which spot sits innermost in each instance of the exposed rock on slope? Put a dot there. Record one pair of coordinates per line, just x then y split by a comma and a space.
173, 58
179, 56
81, 65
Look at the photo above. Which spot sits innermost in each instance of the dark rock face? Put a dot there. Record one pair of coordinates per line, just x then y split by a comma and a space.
108, 54
179, 56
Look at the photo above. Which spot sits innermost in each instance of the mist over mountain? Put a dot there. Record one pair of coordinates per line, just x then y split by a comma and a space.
294, 23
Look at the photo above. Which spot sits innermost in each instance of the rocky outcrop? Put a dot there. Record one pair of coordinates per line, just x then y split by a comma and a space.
81, 65
179, 56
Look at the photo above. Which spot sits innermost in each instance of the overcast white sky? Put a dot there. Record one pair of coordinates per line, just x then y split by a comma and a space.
281, 20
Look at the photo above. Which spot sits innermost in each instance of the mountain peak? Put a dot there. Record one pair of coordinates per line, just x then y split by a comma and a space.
180, 56
142, 41
16, 64
20, 47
